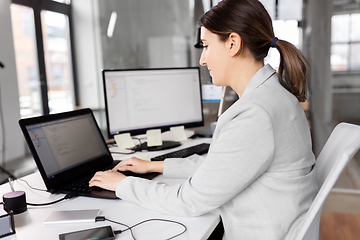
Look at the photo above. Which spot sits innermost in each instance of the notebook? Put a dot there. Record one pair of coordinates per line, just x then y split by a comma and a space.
68, 149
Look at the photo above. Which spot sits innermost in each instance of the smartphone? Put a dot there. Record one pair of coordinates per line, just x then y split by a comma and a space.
100, 233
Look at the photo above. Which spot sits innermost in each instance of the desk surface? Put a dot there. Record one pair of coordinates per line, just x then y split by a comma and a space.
30, 223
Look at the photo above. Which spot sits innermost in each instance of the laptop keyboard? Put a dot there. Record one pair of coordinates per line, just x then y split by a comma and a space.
82, 185
199, 149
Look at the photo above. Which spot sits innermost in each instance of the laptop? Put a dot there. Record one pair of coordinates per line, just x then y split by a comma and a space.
68, 149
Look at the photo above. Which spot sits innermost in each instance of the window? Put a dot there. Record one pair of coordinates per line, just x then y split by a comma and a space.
345, 42
26, 60
43, 51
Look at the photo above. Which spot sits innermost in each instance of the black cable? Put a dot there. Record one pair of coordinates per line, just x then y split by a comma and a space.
124, 153
142, 222
45, 204
133, 150
163, 220
67, 196
120, 231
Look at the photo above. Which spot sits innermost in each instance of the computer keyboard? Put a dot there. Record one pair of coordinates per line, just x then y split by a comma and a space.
199, 149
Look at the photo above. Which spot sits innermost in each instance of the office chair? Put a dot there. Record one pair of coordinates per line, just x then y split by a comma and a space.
339, 149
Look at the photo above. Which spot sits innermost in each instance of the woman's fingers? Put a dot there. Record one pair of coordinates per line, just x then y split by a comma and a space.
133, 164
107, 180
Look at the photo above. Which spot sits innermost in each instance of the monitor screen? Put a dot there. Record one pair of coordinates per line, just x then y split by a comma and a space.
137, 100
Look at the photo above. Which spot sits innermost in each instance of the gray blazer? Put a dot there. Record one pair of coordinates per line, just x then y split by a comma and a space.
257, 173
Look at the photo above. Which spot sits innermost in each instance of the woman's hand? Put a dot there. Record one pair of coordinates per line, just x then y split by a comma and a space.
137, 165
108, 180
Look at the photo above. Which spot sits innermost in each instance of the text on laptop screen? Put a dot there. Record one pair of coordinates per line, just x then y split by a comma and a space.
66, 143
142, 99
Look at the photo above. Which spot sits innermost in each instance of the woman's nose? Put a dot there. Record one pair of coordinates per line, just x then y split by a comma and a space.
202, 60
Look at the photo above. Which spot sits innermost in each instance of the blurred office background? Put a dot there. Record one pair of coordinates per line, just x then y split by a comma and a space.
53, 53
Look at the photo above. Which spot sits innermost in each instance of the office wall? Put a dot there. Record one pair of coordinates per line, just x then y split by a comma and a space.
143, 27
14, 143
166, 28
151, 33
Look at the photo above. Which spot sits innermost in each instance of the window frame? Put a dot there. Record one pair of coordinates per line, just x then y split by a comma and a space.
347, 43
62, 8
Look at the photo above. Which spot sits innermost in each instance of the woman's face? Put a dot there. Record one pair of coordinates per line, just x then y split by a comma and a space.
215, 56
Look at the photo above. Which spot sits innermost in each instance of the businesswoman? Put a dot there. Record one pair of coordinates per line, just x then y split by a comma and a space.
258, 171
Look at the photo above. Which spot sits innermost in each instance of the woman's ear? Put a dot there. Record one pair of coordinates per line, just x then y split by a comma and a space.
234, 44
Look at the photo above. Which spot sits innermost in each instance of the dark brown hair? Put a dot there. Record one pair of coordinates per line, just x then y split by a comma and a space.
251, 21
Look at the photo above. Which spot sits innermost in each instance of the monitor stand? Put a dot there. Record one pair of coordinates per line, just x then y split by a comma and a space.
165, 145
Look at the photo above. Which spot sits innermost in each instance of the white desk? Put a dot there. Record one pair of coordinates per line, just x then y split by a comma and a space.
30, 224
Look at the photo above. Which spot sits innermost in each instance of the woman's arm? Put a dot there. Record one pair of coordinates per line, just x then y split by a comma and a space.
240, 154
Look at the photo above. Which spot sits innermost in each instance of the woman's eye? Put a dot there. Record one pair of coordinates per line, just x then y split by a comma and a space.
203, 45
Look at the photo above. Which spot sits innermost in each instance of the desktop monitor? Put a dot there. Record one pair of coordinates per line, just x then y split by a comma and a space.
137, 100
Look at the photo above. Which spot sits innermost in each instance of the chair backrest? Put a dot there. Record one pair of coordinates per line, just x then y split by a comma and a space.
338, 150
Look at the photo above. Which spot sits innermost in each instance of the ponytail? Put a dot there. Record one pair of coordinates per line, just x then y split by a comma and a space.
294, 69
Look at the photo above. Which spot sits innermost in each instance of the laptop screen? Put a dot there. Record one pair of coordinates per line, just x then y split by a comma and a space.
66, 143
